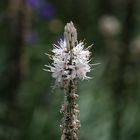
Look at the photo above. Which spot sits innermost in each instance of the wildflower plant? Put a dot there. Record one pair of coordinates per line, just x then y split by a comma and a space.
70, 63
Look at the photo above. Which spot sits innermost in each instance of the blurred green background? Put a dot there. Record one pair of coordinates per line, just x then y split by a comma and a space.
109, 102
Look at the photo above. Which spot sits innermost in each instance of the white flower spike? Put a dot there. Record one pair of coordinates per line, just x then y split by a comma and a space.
70, 61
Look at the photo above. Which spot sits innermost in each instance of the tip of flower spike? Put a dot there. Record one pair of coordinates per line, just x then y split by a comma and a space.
70, 34
71, 22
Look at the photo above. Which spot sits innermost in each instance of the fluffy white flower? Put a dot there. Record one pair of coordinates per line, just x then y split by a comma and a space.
69, 64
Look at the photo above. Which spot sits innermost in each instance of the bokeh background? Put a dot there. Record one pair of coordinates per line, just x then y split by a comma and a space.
109, 103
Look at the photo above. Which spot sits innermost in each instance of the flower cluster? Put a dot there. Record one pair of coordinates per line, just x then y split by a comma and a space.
69, 64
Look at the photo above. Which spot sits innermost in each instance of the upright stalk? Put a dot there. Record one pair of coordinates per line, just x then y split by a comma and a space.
70, 62
70, 122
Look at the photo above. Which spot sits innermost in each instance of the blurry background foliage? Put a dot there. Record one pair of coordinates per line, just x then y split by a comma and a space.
109, 103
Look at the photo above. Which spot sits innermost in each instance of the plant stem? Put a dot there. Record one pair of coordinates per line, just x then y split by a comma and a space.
71, 124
